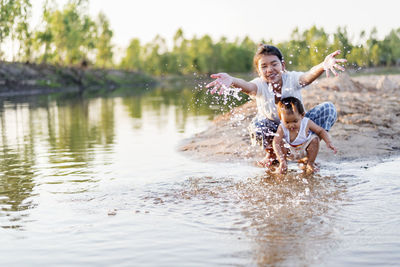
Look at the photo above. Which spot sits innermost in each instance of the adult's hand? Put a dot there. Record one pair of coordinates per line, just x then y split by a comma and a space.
331, 63
222, 81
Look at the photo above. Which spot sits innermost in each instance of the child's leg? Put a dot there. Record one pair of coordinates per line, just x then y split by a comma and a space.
302, 163
312, 152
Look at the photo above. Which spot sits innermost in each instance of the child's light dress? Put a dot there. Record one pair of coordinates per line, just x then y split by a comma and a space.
297, 148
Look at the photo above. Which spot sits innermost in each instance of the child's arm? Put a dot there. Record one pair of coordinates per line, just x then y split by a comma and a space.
322, 134
277, 144
330, 64
224, 81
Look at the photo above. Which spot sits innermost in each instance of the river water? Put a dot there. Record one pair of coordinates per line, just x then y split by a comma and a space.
98, 181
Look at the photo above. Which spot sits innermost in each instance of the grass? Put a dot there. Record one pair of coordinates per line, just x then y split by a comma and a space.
48, 83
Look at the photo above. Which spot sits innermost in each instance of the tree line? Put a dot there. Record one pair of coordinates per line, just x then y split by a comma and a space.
69, 36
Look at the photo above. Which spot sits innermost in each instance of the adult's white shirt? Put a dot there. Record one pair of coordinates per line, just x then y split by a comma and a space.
265, 97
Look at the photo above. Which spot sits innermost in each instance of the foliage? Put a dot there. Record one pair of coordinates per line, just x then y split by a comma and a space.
132, 60
69, 36
14, 16
104, 51
304, 50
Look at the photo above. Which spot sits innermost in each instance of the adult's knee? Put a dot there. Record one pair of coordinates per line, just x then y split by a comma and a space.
331, 112
329, 105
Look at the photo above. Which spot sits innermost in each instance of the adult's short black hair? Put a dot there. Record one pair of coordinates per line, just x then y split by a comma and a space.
264, 49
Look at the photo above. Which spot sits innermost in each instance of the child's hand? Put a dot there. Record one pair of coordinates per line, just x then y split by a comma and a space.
330, 63
282, 167
331, 146
223, 81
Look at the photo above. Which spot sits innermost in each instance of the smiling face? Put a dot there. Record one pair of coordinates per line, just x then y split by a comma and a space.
270, 68
291, 120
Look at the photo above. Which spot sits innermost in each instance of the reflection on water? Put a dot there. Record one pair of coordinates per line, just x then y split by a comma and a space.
16, 163
98, 181
290, 220
58, 141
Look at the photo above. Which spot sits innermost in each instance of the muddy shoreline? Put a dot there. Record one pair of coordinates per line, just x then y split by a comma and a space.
368, 125
19, 79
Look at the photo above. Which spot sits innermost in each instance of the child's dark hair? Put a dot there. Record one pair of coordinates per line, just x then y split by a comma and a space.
290, 104
264, 49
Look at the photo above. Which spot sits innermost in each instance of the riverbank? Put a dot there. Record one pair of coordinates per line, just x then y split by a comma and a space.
32, 79
367, 127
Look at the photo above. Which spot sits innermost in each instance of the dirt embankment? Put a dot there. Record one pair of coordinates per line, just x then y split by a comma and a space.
368, 124
30, 79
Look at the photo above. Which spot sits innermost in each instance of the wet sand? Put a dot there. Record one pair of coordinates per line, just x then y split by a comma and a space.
368, 124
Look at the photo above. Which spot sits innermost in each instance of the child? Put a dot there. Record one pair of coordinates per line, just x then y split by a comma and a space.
274, 83
294, 139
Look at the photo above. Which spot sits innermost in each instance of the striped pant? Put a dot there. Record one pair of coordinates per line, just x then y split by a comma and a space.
323, 115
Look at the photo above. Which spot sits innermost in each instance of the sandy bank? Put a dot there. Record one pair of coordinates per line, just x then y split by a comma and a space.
368, 122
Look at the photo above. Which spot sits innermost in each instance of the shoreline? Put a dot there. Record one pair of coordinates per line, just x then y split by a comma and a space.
27, 79
367, 127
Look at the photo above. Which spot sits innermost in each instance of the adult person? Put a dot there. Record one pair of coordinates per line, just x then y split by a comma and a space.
275, 82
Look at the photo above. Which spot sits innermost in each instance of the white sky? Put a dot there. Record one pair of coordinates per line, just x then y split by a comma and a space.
234, 18
258, 19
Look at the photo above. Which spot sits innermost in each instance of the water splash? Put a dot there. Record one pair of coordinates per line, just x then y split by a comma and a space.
231, 91
286, 145
227, 92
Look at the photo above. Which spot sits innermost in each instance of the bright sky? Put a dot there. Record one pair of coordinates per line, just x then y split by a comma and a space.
258, 19
234, 18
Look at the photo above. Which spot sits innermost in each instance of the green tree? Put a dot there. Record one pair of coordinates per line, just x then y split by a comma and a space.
180, 59
14, 16
69, 35
358, 56
372, 48
248, 47
25, 39
154, 56
304, 50
132, 59
296, 52
390, 47
317, 42
341, 41
104, 57
374, 55
205, 54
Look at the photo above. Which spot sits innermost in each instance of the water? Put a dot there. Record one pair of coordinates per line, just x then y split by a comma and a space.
99, 181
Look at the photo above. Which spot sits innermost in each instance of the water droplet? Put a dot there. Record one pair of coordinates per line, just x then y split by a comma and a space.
307, 191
